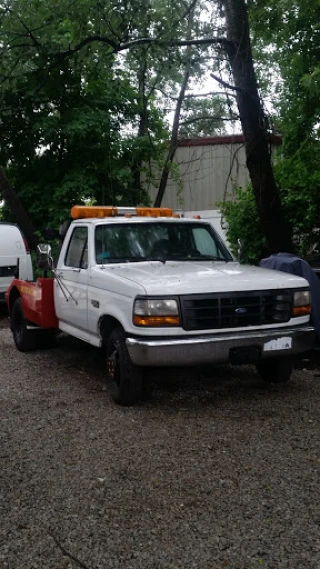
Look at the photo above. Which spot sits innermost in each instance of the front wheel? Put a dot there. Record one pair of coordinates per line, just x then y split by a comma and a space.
126, 384
277, 370
24, 339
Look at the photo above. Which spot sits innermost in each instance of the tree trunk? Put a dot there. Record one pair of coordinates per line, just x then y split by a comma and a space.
174, 136
17, 210
143, 119
177, 113
254, 128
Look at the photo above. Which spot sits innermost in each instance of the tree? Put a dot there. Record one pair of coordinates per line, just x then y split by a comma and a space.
286, 39
44, 49
254, 127
22, 217
67, 121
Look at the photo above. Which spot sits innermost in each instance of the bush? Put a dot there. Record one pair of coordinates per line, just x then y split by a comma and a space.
298, 177
243, 223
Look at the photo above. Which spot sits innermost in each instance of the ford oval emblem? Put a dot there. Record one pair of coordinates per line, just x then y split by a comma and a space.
241, 311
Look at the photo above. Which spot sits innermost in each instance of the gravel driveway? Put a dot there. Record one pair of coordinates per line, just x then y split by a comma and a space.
212, 473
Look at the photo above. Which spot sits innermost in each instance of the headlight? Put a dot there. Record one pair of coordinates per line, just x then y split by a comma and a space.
301, 303
156, 312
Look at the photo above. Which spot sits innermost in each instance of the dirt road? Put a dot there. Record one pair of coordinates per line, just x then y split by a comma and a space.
217, 472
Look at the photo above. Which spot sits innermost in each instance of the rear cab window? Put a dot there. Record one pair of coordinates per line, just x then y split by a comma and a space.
77, 251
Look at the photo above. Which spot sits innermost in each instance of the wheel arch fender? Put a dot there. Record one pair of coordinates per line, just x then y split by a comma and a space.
106, 325
14, 295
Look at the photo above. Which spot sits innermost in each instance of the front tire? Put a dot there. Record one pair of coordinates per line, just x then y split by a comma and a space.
125, 379
277, 370
24, 339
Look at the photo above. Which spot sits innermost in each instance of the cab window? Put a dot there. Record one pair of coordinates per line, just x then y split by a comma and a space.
77, 252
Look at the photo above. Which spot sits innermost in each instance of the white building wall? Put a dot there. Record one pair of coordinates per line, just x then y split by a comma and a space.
209, 170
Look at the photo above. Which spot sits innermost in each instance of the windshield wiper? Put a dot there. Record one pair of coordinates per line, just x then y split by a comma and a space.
198, 258
126, 259
211, 258
162, 259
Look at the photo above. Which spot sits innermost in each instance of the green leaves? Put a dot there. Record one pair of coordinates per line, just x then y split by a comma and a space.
81, 117
243, 223
68, 108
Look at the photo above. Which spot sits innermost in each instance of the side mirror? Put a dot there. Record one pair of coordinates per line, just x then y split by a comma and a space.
44, 258
240, 249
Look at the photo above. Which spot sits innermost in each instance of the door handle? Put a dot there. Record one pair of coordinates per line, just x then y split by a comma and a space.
74, 270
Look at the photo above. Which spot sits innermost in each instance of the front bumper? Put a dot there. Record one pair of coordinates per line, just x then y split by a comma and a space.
218, 348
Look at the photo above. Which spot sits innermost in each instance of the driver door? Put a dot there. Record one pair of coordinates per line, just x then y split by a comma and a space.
71, 285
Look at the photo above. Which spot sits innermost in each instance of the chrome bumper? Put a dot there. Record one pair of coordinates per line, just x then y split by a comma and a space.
216, 348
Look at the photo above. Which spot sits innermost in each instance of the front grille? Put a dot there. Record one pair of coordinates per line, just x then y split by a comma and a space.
235, 310
8, 271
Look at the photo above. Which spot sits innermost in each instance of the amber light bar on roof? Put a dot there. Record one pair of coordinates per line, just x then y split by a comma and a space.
85, 212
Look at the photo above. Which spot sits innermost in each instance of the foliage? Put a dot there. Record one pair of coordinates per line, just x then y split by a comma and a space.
81, 116
243, 223
68, 122
203, 117
299, 179
286, 43
286, 36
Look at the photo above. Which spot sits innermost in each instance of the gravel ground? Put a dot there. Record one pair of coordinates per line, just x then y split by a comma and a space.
212, 473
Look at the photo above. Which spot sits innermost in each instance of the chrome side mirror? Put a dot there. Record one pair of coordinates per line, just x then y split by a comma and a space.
44, 258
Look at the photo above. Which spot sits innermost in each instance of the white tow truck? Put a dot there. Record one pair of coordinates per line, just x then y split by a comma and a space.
153, 289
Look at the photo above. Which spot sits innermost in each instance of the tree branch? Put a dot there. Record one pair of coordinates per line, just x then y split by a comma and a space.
186, 13
30, 33
117, 48
87, 41
224, 83
4, 13
194, 96
173, 43
207, 118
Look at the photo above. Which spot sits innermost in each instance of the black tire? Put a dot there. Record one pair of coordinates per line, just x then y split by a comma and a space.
125, 379
277, 370
24, 339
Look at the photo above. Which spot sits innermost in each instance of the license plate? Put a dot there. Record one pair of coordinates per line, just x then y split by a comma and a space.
278, 344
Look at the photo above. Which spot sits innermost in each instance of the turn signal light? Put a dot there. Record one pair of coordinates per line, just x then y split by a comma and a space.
301, 310
156, 320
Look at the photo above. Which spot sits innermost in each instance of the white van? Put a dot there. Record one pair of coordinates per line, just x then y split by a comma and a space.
213, 216
15, 258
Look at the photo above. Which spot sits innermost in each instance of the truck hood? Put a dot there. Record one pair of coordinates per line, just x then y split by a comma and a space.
196, 277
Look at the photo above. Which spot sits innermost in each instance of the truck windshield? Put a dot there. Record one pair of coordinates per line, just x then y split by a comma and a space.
163, 241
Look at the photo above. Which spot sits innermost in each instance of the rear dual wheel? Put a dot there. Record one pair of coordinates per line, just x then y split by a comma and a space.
27, 340
24, 339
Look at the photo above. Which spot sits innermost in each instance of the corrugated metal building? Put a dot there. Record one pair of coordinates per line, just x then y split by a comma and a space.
208, 169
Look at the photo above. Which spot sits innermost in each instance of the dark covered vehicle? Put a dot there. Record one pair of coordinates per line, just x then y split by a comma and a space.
290, 263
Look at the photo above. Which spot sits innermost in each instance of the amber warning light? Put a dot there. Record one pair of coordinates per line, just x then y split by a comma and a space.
85, 212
